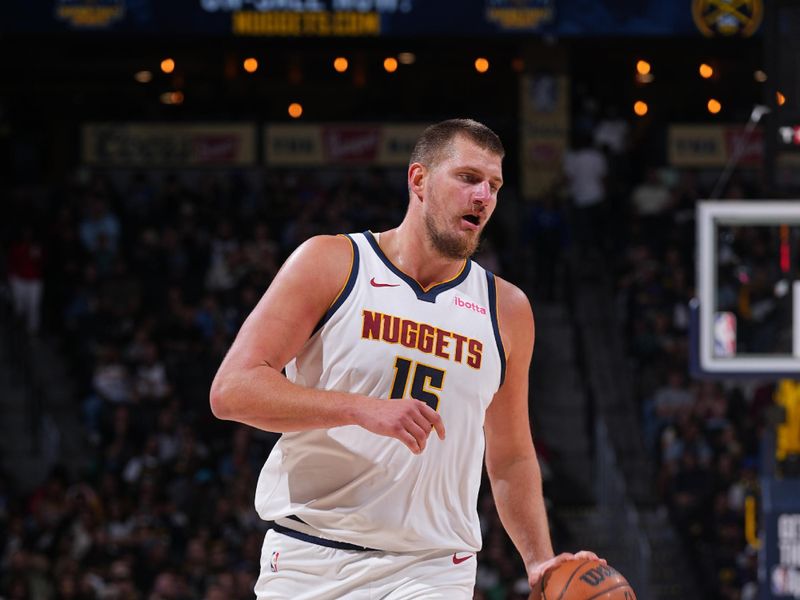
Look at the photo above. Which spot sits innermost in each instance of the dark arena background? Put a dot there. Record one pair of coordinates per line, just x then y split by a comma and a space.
161, 160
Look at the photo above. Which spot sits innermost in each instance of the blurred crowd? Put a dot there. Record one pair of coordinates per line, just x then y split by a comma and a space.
143, 279
702, 435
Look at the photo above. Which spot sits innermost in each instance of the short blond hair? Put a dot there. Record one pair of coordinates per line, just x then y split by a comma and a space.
436, 139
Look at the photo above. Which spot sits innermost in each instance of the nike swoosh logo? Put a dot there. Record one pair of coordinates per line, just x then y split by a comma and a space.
458, 560
374, 283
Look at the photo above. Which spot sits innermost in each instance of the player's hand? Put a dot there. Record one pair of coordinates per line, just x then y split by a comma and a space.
537, 571
407, 420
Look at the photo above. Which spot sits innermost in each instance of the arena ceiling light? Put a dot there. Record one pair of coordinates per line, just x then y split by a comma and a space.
644, 72
340, 64
143, 76
168, 65
295, 110
390, 64
706, 71
250, 65
640, 108
481, 64
714, 106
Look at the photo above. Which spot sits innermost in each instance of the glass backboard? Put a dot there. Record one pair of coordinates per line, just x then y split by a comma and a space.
748, 284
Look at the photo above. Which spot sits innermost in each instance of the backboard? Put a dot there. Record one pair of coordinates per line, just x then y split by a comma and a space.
746, 317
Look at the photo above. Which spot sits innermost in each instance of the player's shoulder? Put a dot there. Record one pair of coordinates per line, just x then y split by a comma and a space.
322, 259
514, 311
324, 244
510, 298
325, 251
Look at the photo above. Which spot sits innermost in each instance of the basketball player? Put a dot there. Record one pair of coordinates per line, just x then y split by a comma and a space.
387, 338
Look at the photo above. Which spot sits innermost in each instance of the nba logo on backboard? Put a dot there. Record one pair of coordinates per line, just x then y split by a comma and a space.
724, 335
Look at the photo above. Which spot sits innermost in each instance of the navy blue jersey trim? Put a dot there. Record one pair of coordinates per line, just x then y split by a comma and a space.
312, 539
348, 287
493, 312
432, 292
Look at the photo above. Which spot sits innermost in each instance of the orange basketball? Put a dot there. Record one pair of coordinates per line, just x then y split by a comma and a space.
582, 579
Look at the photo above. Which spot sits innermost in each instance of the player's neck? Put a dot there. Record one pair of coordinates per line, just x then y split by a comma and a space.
412, 252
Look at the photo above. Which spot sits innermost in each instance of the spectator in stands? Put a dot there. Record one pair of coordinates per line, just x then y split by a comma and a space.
100, 229
111, 379
651, 200
612, 131
585, 168
224, 268
664, 407
150, 380
25, 269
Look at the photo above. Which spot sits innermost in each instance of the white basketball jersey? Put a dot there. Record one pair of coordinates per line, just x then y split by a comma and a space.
387, 337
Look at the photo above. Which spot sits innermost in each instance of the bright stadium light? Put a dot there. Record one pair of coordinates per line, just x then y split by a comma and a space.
481, 65
295, 110
167, 65
640, 108
250, 65
390, 64
340, 64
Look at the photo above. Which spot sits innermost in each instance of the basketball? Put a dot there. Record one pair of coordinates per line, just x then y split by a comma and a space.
582, 579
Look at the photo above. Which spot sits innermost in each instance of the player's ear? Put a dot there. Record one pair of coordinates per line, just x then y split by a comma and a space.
416, 178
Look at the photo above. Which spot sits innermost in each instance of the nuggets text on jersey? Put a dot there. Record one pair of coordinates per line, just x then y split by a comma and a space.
422, 336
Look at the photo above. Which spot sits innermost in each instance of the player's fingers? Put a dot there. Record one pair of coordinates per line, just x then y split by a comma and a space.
558, 559
409, 440
434, 418
589, 555
422, 422
420, 434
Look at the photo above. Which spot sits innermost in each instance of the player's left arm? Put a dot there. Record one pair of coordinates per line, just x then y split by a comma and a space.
511, 460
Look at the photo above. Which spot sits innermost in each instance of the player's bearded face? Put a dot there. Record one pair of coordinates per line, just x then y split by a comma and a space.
449, 242
459, 198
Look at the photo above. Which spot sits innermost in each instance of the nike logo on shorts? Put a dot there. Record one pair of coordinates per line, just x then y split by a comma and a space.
457, 560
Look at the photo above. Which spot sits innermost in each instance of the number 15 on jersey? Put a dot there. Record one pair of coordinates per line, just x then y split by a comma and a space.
424, 381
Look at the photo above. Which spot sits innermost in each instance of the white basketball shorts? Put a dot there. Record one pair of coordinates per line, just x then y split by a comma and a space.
293, 569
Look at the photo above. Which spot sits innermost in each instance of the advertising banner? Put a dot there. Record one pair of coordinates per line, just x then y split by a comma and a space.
780, 550
544, 130
340, 144
371, 18
710, 146
169, 145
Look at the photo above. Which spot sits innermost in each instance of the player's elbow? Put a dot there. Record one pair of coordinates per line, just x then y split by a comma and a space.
220, 398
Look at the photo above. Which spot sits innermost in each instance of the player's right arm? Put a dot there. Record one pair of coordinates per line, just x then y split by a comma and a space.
249, 387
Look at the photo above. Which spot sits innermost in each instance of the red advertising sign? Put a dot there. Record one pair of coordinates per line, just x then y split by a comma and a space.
351, 144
